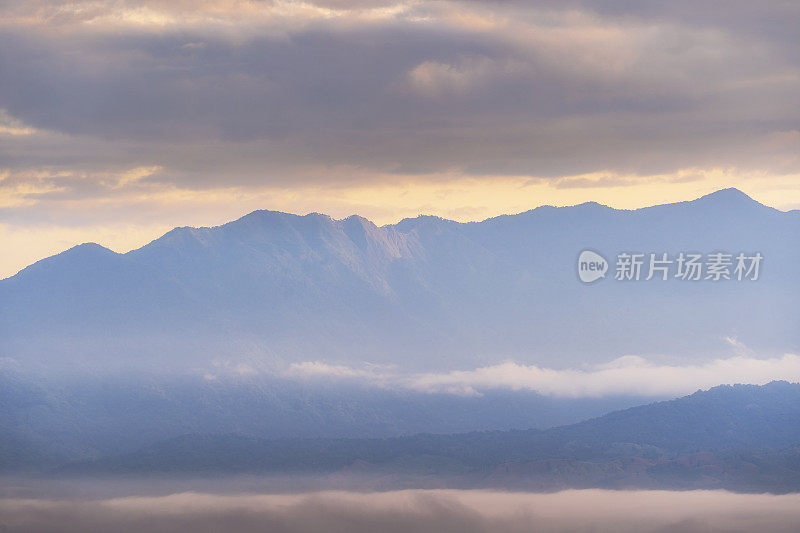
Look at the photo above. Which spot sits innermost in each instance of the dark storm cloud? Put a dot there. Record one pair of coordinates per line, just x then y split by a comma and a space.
246, 93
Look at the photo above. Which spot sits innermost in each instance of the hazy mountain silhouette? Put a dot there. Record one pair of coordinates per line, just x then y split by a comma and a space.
743, 437
272, 288
51, 421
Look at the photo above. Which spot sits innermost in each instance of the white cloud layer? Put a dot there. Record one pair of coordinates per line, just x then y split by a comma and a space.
413, 510
629, 375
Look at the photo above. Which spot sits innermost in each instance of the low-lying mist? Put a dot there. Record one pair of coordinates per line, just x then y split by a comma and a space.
629, 375
438, 511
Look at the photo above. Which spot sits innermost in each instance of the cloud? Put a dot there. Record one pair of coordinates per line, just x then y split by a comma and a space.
460, 78
13, 127
319, 369
260, 101
412, 510
629, 375
542, 90
738, 346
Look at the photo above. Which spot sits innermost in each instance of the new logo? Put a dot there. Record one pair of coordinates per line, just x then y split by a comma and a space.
591, 266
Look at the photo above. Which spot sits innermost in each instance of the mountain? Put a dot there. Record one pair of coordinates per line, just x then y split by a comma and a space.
741, 437
46, 422
426, 293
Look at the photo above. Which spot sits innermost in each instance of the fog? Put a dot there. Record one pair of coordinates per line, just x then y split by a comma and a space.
628, 375
410, 510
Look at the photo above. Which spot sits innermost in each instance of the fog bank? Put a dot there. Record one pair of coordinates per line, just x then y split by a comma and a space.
628, 375
413, 510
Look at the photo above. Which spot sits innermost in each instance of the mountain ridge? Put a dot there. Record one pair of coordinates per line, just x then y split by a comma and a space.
422, 293
725, 195
740, 437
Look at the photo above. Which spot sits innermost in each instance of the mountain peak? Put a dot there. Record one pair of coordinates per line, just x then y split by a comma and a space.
263, 214
731, 201
357, 221
88, 251
409, 224
277, 220
90, 247
729, 196
592, 206
82, 256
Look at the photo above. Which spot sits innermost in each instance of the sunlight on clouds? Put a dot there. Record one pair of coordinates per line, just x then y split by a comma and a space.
24, 194
135, 175
578, 41
162, 14
14, 127
141, 210
142, 16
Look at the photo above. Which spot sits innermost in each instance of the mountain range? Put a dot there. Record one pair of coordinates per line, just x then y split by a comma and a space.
741, 437
426, 293
177, 357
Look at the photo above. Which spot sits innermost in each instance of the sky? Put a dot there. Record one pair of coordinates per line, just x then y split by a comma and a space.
122, 119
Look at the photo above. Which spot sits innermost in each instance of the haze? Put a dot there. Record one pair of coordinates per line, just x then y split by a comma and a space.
416, 510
